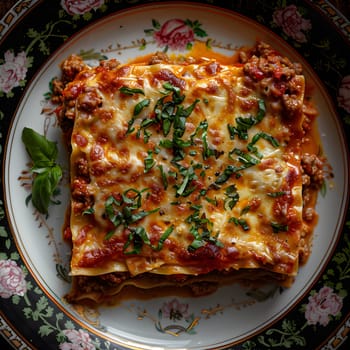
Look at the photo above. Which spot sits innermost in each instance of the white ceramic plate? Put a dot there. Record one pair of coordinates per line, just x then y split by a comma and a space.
233, 316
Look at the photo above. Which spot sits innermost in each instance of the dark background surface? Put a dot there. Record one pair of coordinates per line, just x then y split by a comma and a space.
342, 5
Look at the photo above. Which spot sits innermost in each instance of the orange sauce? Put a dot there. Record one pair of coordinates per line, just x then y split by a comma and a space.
198, 51
202, 50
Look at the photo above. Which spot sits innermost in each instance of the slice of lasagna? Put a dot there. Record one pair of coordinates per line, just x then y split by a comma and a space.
187, 172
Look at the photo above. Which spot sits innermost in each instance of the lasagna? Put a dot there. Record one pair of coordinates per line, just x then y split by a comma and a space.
187, 171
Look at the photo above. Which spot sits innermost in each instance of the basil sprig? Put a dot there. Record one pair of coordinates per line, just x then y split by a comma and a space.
47, 173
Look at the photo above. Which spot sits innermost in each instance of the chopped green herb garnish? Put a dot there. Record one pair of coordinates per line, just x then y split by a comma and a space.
212, 201
163, 176
202, 236
185, 188
149, 162
108, 235
245, 210
89, 211
137, 238
140, 106
232, 197
276, 227
243, 124
162, 239
202, 131
256, 138
276, 194
124, 211
226, 174
130, 91
240, 222
246, 159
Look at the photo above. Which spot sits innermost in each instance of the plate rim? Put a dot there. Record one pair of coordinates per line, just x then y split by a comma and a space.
193, 3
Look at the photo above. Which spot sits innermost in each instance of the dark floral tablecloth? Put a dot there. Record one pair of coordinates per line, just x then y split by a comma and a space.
325, 296
342, 5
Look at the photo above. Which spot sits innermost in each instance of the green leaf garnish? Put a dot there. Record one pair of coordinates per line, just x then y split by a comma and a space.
129, 91
46, 173
149, 162
240, 222
276, 227
243, 124
141, 105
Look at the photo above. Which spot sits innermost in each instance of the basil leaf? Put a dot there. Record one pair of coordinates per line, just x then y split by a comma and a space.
41, 193
201, 239
185, 189
47, 174
42, 151
44, 185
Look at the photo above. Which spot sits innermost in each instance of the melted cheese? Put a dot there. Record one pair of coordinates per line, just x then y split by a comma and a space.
251, 218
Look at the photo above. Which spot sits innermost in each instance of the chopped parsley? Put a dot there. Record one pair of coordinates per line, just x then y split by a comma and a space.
276, 227
243, 124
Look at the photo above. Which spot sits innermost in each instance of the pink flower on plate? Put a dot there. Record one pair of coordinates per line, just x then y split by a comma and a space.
78, 340
321, 305
344, 93
12, 281
174, 310
175, 34
292, 23
13, 70
79, 7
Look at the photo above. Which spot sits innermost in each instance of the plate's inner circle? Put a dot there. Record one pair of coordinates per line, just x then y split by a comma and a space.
141, 323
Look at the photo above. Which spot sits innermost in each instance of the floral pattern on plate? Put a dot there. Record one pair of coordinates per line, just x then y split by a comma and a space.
326, 304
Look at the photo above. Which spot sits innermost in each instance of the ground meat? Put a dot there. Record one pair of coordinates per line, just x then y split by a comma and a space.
313, 170
291, 103
203, 288
110, 64
167, 75
89, 101
71, 67
309, 214
82, 169
82, 199
159, 57
113, 279
277, 77
57, 88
